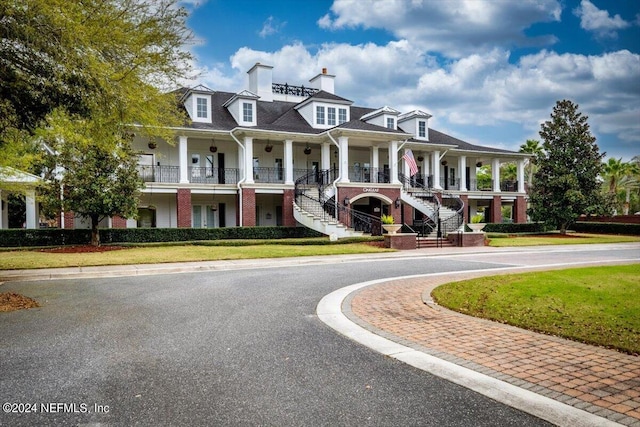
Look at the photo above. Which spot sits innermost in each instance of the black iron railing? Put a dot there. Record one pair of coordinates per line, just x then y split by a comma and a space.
286, 89
310, 196
209, 175
150, 173
363, 174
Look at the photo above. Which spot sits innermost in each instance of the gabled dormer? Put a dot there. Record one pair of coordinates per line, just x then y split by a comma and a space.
197, 102
242, 107
417, 123
385, 117
325, 110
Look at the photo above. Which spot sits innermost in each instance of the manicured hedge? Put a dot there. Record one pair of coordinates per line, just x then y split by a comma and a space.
60, 237
607, 228
528, 227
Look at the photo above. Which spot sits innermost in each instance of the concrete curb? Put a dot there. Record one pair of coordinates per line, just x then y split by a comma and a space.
330, 311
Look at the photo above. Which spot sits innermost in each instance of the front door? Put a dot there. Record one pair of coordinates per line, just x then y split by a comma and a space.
221, 174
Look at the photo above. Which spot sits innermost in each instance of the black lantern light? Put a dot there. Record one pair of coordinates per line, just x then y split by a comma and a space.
347, 201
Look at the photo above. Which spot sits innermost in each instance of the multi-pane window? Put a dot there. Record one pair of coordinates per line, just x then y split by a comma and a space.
201, 108
320, 115
391, 123
342, 115
331, 116
422, 129
247, 112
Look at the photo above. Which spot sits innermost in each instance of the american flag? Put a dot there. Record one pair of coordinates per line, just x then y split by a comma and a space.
411, 161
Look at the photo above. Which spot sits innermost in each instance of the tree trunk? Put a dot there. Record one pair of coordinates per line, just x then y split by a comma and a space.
95, 235
627, 201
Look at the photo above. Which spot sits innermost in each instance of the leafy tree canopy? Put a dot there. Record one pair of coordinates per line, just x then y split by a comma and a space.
113, 57
567, 181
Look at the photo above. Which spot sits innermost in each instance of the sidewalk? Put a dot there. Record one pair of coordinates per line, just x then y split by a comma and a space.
600, 381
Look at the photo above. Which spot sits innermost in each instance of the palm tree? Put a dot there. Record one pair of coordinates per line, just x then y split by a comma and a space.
614, 170
630, 181
533, 147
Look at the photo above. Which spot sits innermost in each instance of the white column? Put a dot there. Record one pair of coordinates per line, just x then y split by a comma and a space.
521, 176
248, 159
393, 162
288, 162
182, 159
343, 142
435, 161
30, 199
375, 163
462, 166
425, 170
495, 174
325, 156
3, 208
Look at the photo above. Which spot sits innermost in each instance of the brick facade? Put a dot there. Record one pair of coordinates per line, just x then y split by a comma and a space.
495, 210
118, 222
249, 207
391, 193
287, 208
69, 220
520, 210
183, 202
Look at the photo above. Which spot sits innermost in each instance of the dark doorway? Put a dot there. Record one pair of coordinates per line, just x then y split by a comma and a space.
222, 215
221, 172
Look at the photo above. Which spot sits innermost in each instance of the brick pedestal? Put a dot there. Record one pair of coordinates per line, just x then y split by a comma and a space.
249, 207
520, 210
287, 208
495, 214
183, 201
400, 241
118, 222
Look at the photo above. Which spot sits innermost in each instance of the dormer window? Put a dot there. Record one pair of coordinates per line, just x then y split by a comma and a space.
319, 115
331, 116
342, 115
202, 110
247, 112
422, 129
391, 123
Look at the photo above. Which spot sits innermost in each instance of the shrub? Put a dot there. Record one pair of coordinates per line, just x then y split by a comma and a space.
607, 228
60, 237
513, 228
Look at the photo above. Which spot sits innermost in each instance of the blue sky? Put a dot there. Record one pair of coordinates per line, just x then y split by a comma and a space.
489, 71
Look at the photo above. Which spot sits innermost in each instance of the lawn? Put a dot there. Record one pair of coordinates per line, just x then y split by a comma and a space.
505, 240
596, 305
27, 259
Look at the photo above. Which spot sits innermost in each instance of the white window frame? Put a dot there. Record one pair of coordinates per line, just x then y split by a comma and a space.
331, 116
247, 112
202, 107
422, 129
391, 123
320, 115
342, 115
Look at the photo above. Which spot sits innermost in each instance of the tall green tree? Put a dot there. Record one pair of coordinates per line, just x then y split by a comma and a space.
82, 75
95, 181
567, 184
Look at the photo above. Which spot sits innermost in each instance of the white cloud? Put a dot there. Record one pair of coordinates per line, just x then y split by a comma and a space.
454, 27
271, 26
481, 89
599, 21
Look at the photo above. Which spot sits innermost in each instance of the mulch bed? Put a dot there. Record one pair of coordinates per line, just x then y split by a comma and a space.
10, 301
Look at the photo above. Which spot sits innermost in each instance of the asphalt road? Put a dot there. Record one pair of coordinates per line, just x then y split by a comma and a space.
237, 347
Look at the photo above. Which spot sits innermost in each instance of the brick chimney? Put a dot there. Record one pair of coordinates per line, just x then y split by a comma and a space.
323, 81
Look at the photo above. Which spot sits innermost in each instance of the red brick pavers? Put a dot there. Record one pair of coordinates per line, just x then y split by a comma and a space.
597, 380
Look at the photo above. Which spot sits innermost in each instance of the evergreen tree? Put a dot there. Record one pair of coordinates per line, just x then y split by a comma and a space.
567, 183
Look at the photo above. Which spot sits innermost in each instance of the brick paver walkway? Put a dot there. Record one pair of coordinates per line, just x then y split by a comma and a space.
601, 381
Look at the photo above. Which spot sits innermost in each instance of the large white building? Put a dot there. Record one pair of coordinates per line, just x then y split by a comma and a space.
275, 154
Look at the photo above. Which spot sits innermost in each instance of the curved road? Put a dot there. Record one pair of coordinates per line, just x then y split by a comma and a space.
233, 347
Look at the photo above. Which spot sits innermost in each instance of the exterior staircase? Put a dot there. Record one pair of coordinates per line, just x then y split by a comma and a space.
444, 209
314, 209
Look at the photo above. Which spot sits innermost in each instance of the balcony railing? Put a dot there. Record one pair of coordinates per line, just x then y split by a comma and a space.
207, 175
150, 173
376, 175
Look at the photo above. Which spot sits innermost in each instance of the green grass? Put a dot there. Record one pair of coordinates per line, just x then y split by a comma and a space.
28, 259
506, 240
596, 305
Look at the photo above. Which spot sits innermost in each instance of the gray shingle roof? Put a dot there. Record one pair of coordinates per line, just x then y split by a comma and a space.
282, 116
